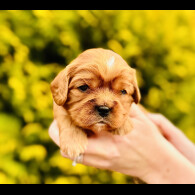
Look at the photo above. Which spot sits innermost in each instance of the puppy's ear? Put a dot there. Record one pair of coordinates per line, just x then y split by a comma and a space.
59, 87
136, 95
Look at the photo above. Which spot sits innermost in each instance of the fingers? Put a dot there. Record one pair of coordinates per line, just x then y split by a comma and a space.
135, 111
99, 150
54, 133
137, 114
96, 143
166, 127
161, 121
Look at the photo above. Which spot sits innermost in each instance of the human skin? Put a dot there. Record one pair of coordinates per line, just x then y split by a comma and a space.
175, 136
144, 153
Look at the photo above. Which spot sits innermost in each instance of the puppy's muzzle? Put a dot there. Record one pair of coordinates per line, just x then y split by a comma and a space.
103, 111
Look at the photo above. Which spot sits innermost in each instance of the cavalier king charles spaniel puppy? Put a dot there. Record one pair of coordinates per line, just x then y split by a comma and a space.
92, 94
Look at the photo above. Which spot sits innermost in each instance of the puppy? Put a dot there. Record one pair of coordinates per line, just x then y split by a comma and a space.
93, 93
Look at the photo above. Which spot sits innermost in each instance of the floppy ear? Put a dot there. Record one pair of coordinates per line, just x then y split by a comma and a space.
59, 87
136, 95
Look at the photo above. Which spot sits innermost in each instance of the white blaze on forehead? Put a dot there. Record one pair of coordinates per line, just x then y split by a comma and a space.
110, 62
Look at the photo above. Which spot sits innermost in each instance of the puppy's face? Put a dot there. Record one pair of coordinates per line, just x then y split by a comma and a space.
97, 90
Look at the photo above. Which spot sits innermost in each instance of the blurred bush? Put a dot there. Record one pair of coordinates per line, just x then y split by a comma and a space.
36, 45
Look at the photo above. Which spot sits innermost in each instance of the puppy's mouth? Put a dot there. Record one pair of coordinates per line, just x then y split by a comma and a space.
102, 122
99, 126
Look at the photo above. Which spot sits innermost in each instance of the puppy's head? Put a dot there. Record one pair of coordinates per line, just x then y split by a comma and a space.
97, 90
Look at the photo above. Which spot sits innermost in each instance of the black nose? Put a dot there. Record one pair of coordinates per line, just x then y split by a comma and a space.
103, 110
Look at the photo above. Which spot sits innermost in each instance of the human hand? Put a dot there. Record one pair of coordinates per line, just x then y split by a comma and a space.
143, 153
107, 151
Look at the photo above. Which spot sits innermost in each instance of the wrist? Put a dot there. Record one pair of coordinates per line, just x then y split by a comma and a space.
172, 168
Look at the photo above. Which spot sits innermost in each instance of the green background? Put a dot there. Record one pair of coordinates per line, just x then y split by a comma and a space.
36, 45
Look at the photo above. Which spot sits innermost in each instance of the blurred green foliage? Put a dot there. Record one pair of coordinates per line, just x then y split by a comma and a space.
36, 45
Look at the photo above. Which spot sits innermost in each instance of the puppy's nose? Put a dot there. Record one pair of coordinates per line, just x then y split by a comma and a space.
103, 110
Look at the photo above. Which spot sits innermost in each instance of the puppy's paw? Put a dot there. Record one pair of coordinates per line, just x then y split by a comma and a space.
72, 149
73, 143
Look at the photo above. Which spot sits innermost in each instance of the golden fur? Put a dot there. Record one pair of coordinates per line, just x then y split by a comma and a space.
106, 74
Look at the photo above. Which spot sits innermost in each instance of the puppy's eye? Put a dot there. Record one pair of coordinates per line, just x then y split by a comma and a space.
83, 88
123, 91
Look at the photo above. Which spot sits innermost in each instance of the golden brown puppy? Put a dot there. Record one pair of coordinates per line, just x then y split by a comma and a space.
93, 93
